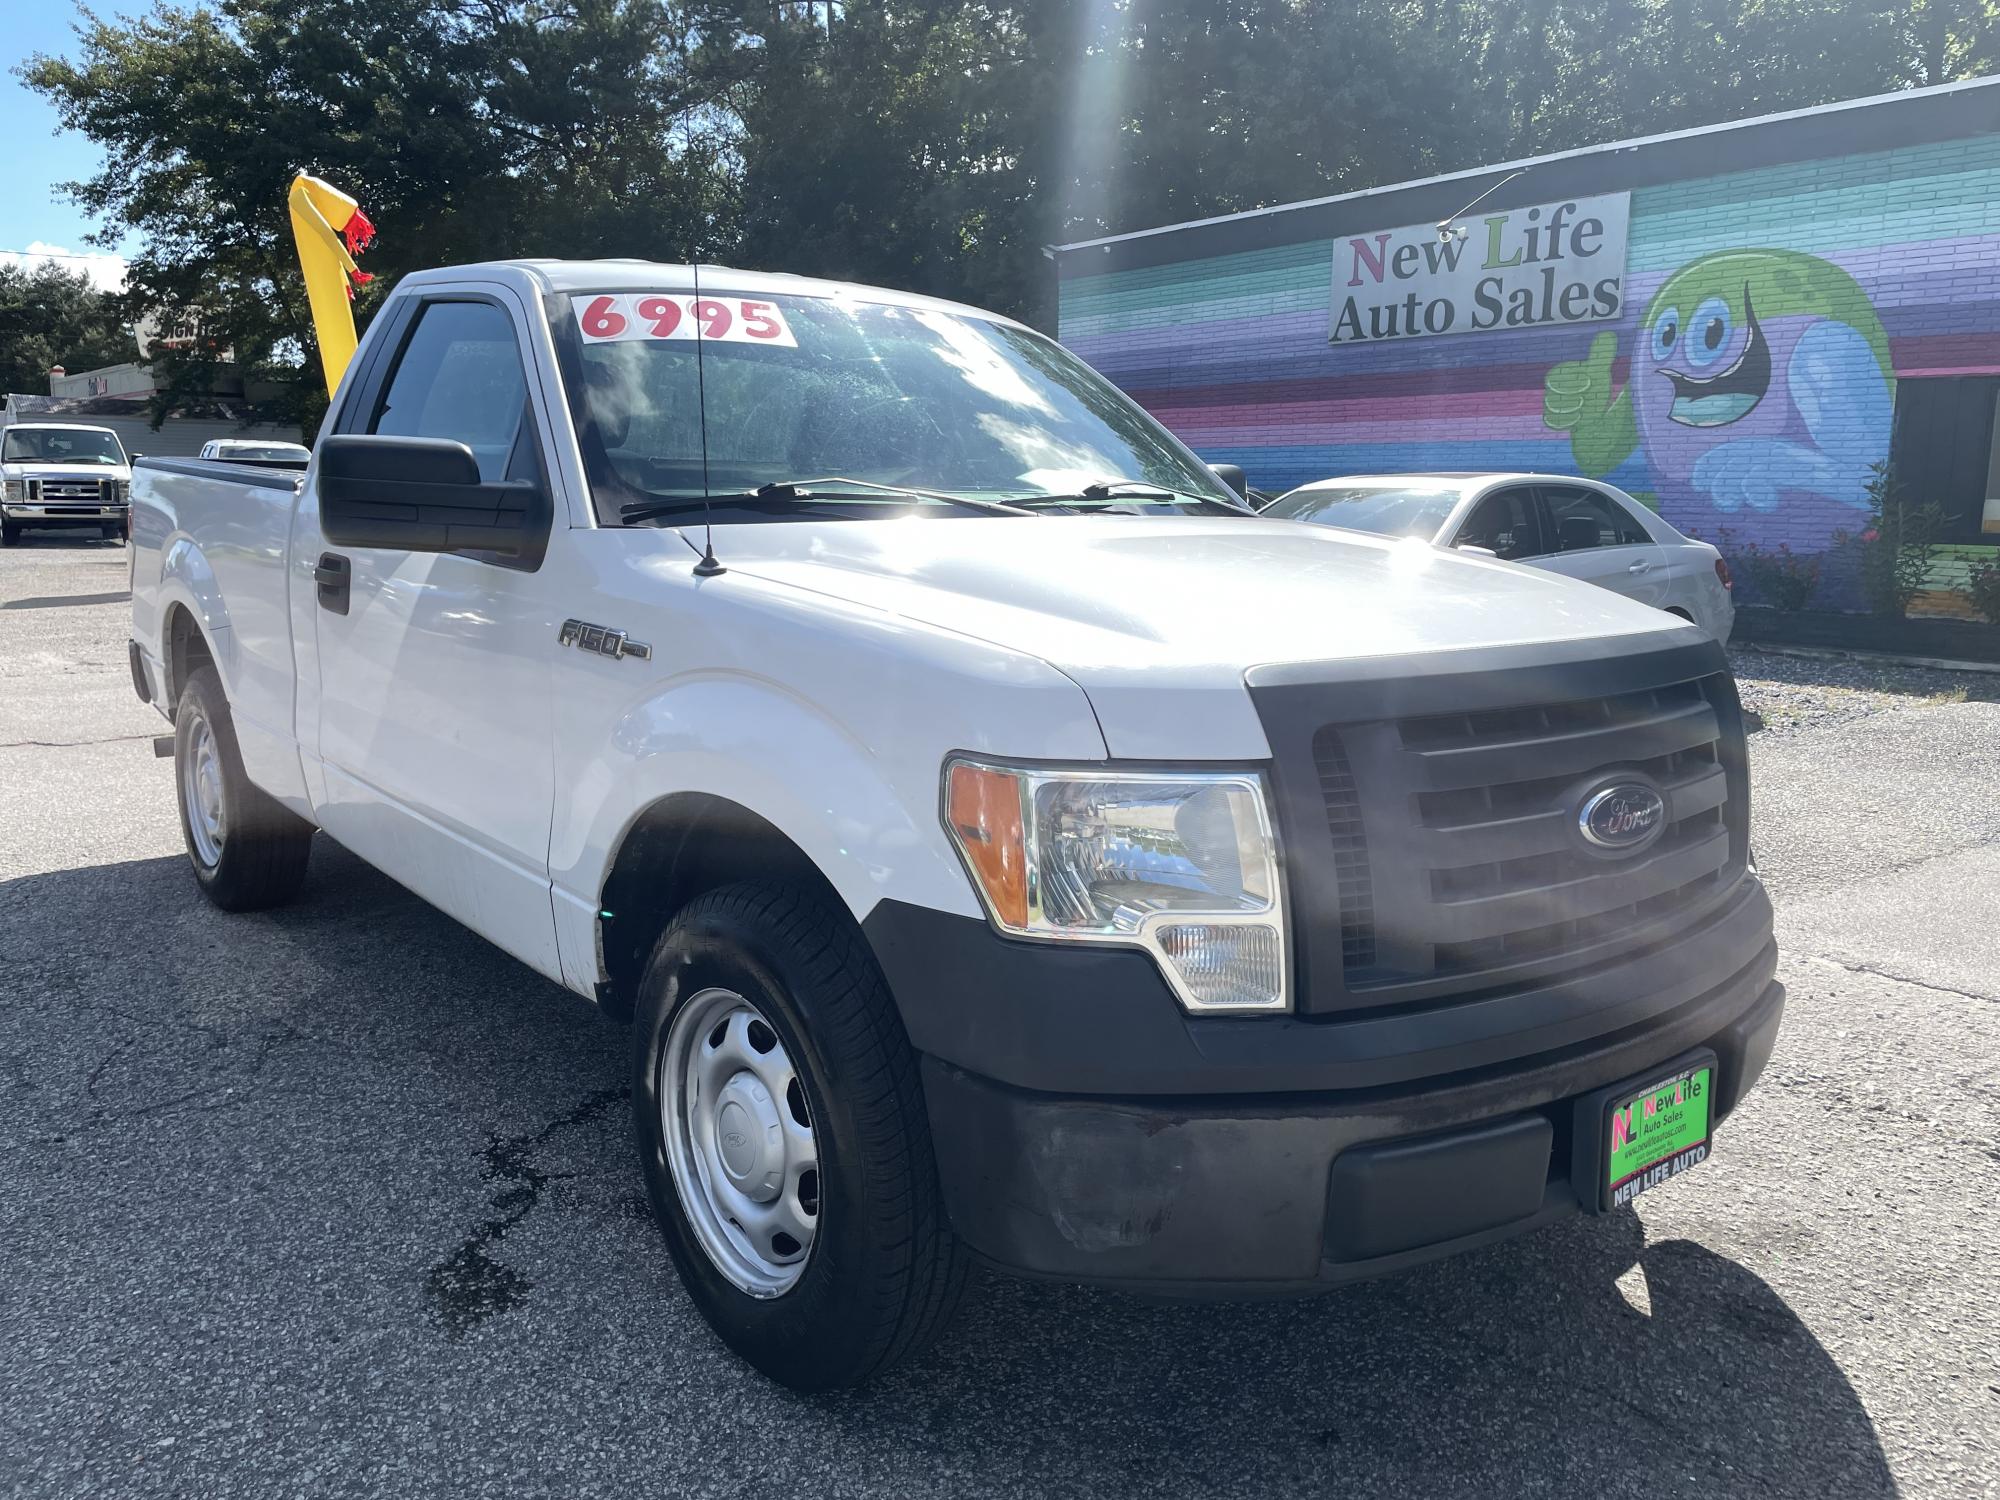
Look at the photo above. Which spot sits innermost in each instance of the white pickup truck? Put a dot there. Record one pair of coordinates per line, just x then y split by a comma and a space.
1004, 845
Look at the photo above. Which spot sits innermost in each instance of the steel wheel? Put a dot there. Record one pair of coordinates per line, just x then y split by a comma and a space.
739, 1142
201, 788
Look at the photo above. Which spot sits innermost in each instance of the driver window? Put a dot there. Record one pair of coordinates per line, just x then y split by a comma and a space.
1584, 518
1504, 524
459, 377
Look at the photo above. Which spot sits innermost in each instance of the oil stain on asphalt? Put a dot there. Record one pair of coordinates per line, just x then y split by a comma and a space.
471, 1286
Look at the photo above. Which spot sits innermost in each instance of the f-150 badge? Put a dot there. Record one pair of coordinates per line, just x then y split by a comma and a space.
611, 643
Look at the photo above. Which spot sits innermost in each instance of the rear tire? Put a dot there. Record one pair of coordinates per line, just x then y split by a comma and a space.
750, 988
248, 851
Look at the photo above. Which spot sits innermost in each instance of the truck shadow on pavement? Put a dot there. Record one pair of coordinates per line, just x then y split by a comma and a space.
357, 1095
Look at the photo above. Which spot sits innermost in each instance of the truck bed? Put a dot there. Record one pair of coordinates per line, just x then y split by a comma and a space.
210, 538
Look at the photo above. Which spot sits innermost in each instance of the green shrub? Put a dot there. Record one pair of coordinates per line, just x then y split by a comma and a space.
1984, 590
1898, 547
1778, 576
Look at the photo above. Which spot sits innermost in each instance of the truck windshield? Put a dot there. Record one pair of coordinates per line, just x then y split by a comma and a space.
1387, 510
59, 445
915, 397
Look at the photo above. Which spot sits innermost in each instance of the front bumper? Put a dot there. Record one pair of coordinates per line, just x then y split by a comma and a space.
65, 515
1278, 1156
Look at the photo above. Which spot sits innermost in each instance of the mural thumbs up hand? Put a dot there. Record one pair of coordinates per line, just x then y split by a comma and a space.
1580, 389
1577, 399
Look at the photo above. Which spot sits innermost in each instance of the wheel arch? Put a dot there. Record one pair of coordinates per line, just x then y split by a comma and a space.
677, 848
184, 649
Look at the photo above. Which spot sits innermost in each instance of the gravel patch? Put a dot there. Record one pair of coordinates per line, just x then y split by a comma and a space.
1784, 694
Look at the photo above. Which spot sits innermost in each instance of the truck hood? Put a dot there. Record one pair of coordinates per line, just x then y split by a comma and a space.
1159, 618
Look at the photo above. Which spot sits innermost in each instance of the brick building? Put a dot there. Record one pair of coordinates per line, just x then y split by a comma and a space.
1736, 324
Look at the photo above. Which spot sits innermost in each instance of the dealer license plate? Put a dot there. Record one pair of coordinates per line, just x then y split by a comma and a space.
1656, 1133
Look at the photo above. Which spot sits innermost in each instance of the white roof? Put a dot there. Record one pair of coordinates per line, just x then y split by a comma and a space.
39, 424
567, 276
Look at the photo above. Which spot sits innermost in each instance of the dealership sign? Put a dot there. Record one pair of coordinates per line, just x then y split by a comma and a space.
1560, 262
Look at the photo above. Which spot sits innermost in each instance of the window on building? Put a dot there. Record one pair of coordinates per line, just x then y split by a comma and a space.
1943, 451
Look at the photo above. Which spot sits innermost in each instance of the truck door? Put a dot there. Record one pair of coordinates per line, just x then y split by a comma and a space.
433, 716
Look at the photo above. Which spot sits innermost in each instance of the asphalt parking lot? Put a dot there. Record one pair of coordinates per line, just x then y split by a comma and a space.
340, 1200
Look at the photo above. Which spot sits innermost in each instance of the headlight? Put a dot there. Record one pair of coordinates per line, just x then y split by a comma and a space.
14, 489
1184, 866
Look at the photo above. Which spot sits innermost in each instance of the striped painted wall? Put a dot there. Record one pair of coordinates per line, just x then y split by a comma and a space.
1231, 351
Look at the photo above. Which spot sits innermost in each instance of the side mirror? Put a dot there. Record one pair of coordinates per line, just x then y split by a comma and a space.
422, 495
1476, 550
1232, 475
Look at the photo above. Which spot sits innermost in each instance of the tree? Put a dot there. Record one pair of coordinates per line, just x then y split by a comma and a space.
53, 316
937, 145
470, 129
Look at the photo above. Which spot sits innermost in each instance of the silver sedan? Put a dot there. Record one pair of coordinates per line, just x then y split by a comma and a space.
1577, 527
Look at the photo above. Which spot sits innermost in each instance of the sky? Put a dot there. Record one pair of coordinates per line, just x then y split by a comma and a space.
38, 154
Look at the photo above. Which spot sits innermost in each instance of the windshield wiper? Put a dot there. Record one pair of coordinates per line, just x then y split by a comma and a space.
805, 491
1109, 491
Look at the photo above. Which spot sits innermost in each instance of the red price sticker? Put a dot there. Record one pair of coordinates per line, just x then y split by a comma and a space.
604, 319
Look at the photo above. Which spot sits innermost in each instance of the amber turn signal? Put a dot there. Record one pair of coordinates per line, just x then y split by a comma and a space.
983, 807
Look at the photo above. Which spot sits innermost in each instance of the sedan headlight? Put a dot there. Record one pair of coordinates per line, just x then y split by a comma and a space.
1184, 866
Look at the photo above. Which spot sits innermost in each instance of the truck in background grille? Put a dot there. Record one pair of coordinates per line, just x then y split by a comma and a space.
1448, 858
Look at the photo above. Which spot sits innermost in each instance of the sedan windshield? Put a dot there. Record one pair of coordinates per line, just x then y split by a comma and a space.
1387, 510
801, 393
59, 445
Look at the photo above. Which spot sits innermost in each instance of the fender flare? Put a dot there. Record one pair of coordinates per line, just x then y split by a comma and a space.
868, 827
187, 581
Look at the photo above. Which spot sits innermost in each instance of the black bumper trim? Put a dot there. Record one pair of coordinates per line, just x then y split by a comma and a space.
1235, 1196
1102, 1021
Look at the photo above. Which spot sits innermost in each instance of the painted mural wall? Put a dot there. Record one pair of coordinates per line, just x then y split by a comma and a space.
1748, 384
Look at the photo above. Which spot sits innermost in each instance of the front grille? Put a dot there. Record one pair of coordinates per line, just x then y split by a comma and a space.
1445, 857
54, 490
1350, 850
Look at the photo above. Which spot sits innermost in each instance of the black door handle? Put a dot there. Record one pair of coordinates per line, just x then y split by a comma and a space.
333, 573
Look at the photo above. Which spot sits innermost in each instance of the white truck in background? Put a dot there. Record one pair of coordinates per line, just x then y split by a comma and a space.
62, 476
1004, 845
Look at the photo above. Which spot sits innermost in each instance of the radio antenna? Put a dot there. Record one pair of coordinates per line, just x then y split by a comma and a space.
708, 567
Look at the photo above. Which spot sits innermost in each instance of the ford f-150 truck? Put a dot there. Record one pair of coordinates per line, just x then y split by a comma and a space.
62, 475
1004, 845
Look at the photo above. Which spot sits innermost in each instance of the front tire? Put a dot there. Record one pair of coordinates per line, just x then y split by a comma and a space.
10, 534
248, 851
782, 1133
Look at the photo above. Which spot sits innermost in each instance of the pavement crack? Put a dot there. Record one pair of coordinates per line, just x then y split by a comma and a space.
90, 1086
116, 739
471, 1286
1881, 973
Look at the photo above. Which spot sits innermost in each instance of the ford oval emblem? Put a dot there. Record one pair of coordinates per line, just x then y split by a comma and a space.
1622, 818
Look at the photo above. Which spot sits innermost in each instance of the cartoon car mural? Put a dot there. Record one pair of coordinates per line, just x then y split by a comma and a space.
1759, 375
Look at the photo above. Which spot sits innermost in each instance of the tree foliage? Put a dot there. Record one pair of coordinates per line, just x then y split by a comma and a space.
934, 144
53, 316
